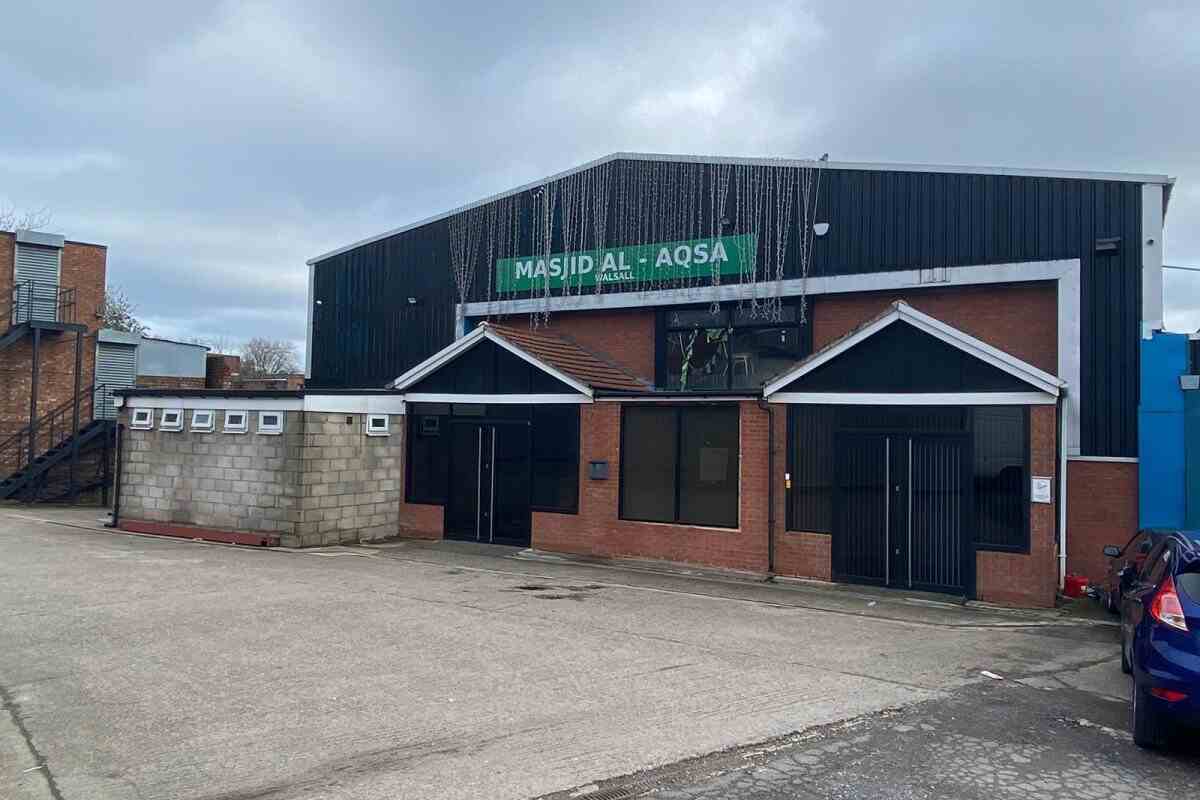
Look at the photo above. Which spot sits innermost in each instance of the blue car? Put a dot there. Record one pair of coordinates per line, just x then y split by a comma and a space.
1160, 634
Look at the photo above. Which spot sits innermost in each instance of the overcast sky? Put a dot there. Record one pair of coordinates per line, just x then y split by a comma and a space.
216, 147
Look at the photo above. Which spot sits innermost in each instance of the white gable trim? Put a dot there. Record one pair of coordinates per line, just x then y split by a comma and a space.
460, 346
901, 311
916, 398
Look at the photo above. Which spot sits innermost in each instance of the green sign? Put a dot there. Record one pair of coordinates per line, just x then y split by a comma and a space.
664, 261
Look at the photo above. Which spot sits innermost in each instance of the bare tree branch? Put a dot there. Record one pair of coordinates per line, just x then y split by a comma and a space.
117, 312
13, 220
262, 357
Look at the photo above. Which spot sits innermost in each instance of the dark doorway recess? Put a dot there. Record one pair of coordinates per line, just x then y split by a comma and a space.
903, 514
490, 480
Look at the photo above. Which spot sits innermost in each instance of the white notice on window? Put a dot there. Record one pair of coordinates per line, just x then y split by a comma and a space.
714, 464
1040, 490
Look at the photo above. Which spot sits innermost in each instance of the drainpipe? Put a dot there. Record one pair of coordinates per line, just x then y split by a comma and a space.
1062, 494
116, 511
765, 406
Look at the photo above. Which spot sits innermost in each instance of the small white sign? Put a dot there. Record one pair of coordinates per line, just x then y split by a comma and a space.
1040, 490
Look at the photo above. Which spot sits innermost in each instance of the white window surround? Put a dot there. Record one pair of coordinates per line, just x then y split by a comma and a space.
142, 419
171, 420
266, 426
203, 420
378, 425
240, 426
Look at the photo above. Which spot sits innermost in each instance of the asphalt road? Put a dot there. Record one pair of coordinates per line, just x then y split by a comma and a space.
134, 667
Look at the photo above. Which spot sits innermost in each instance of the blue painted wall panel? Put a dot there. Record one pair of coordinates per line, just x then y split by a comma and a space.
1162, 463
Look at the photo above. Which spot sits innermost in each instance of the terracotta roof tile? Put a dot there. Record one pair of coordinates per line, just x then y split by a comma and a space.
569, 358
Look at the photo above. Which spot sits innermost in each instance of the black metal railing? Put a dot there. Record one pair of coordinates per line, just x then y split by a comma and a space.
53, 428
41, 300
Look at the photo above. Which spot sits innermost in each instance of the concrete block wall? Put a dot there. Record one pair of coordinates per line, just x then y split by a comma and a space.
322, 481
350, 483
225, 481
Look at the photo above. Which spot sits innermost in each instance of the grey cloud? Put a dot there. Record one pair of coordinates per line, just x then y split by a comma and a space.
215, 147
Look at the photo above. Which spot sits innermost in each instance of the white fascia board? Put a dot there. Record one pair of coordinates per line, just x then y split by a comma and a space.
1106, 459
718, 398
939, 330
497, 399
308, 331
578, 386
982, 350
460, 346
1151, 246
217, 403
915, 399
355, 403
831, 353
443, 356
1162, 180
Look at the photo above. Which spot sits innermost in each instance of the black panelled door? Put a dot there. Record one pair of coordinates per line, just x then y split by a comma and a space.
490, 474
903, 515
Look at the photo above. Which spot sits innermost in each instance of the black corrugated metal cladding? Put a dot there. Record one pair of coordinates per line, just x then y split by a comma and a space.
365, 331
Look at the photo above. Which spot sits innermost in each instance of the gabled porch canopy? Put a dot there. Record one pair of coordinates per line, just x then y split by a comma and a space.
906, 357
505, 364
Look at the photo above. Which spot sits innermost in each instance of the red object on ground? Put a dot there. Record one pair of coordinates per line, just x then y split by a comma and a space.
190, 532
1075, 585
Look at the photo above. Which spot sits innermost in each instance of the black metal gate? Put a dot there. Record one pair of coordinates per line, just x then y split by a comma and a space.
903, 511
490, 481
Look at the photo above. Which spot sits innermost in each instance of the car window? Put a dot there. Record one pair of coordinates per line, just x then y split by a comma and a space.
1189, 582
1156, 564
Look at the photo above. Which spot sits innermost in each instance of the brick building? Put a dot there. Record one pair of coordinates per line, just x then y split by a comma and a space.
57, 286
912, 376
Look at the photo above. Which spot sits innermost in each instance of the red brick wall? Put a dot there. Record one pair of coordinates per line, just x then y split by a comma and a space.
1102, 508
597, 531
83, 268
168, 382
1032, 579
221, 370
1021, 319
624, 337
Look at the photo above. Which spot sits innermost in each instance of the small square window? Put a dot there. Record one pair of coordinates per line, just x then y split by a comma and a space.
270, 422
235, 422
172, 420
377, 425
142, 419
202, 421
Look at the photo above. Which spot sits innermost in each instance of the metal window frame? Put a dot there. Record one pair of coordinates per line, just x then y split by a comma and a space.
386, 430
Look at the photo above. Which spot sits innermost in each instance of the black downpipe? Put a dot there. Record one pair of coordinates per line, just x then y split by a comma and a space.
116, 512
770, 488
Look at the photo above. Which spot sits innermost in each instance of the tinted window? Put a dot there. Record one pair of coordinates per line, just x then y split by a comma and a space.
1156, 564
811, 467
556, 458
1001, 477
708, 469
1189, 583
698, 358
680, 465
428, 459
648, 464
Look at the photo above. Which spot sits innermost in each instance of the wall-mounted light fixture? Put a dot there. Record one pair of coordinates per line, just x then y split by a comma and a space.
412, 301
820, 228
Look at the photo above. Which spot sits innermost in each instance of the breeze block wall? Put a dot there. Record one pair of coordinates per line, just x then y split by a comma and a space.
322, 481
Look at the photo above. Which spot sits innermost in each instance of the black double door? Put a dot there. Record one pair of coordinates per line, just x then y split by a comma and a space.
490, 481
903, 512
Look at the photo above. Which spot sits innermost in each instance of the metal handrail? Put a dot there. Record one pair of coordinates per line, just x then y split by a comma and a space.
51, 429
32, 300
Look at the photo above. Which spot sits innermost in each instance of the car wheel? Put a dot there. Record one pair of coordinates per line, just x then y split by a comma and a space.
1149, 728
1126, 667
